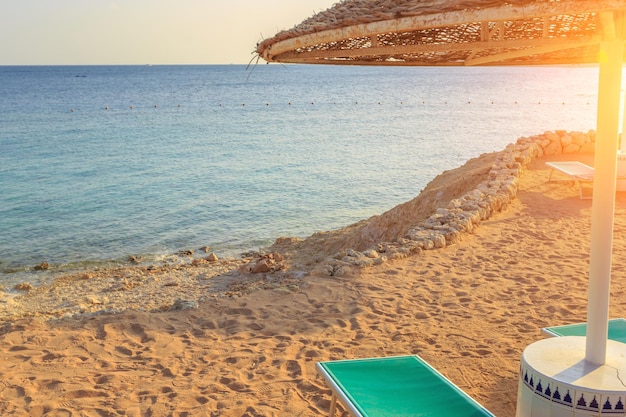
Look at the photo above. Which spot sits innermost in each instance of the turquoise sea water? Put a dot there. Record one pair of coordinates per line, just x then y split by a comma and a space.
98, 163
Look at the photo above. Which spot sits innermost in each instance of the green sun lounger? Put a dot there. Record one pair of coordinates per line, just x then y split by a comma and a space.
396, 386
617, 330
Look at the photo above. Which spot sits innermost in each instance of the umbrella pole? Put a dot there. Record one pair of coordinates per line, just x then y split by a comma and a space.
604, 187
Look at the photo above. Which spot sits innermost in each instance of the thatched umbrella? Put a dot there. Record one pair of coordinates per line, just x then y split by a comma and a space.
446, 32
489, 32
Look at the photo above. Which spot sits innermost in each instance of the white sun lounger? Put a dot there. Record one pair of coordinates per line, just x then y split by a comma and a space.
578, 171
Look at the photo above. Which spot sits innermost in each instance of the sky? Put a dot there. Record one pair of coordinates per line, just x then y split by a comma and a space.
129, 32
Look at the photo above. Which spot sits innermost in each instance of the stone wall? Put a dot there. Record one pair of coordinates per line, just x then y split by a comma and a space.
448, 225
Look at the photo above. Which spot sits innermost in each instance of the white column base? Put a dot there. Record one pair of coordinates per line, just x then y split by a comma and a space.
556, 381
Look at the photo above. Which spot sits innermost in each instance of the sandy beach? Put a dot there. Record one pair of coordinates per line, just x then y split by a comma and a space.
215, 339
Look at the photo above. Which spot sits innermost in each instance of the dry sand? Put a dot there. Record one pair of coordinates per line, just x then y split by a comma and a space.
250, 346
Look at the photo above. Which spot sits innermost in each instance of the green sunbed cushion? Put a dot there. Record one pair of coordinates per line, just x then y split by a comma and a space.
617, 330
400, 386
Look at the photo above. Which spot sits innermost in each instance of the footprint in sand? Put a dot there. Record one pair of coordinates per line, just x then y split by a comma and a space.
233, 384
231, 360
239, 312
342, 323
85, 393
294, 369
355, 325
255, 326
202, 400
124, 351
60, 412
310, 354
337, 351
139, 331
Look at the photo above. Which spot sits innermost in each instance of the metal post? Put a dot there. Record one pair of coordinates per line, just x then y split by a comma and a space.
604, 187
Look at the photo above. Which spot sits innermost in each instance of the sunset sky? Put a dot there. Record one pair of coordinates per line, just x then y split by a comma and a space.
100, 32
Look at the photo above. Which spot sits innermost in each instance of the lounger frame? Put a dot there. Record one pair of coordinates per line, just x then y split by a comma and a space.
578, 171
420, 371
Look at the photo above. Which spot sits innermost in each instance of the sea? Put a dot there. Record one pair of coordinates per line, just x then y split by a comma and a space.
100, 163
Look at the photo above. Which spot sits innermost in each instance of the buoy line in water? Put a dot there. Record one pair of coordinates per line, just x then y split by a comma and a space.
356, 103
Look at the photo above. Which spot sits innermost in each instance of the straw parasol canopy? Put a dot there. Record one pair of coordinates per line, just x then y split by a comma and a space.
447, 32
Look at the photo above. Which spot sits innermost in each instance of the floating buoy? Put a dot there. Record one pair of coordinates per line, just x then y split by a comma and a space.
106, 107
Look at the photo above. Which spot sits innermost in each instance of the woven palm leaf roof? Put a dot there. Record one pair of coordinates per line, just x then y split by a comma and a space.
448, 32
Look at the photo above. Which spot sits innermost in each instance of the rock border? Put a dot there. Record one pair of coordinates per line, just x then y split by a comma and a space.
462, 215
